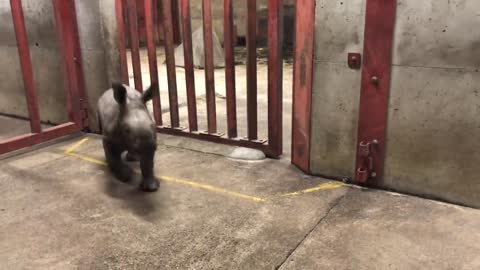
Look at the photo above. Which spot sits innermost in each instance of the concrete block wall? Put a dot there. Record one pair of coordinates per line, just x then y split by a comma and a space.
434, 106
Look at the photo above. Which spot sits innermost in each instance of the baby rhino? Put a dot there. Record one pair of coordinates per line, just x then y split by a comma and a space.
127, 126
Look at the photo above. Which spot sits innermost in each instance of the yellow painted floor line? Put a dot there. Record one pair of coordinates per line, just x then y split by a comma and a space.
325, 186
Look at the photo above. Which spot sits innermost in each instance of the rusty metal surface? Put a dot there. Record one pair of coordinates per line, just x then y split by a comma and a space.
252, 69
220, 139
275, 76
379, 30
354, 60
26, 65
209, 72
302, 83
152, 59
229, 45
170, 59
189, 71
134, 43
119, 11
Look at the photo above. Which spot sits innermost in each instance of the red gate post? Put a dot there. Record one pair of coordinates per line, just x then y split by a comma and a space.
69, 42
189, 72
230, 69
209, 74
122, 47
379, 30
170, 57
26, 65
302, 83
150, 29
275, 76
134, 43
252, 69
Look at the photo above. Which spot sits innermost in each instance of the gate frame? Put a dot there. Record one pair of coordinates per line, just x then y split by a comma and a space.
303, 83
273, 147
67, 33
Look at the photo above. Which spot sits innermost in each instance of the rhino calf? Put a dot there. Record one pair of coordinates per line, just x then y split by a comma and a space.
127, 125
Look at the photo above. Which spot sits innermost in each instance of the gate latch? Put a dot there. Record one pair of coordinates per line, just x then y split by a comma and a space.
366, 169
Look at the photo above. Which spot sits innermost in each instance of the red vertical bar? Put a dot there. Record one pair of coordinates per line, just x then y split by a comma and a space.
209, 75
67, 29
170, 57
177, 36
119, 10
379, 30
230, 69
152, 59
275, 76
26, 65
252, 69
135, 43
189, 72
302, 83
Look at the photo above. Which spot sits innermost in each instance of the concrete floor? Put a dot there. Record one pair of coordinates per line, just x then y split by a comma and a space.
60, 209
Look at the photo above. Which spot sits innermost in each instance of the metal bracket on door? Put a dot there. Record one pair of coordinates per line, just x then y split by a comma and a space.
366, 167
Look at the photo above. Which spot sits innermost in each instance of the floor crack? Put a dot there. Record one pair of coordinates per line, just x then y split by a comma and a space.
335, 204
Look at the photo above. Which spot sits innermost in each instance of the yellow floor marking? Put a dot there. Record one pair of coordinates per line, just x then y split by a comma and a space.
325, 186
76, 145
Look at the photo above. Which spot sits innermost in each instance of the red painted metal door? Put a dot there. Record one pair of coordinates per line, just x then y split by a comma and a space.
379, 30
65, 18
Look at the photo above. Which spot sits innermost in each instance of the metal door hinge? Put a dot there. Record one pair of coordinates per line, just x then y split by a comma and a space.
366, 168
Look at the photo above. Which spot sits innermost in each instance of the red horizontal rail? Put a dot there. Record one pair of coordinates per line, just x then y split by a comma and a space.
31, 139
219, 139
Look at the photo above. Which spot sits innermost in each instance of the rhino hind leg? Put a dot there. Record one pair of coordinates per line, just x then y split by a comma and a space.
113, 154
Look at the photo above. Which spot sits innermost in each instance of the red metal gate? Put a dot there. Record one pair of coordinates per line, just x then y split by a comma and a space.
67, 31
129, 28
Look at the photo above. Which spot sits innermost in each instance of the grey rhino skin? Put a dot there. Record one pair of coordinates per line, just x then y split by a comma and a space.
127, 125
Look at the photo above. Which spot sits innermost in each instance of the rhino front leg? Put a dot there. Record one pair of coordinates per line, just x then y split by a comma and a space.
132, 157
149, 183
113, 154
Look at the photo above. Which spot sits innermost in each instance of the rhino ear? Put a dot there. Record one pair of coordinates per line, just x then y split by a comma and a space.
150, 92
119, 93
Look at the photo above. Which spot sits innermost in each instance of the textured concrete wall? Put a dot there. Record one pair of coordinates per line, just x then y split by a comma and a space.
98, 42
433, 123
97, 30
46, 61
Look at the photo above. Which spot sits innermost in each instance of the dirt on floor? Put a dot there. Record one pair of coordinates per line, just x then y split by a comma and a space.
61, 209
